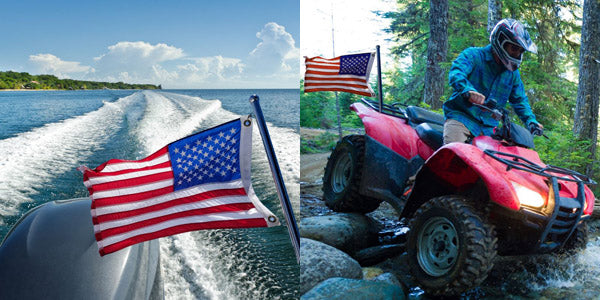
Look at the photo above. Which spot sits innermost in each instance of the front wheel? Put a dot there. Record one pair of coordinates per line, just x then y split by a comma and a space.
450, 247
343, 173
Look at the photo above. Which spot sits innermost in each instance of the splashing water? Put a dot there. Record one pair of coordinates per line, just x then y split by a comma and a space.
550, 276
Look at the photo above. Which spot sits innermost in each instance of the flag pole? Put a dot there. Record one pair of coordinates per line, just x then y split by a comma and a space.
379, 85
286, 205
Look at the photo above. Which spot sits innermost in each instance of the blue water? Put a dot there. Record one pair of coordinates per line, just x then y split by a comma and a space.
23, 111
45, 135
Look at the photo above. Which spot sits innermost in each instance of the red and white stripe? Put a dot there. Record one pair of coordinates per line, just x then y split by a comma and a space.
134, 201
322, 74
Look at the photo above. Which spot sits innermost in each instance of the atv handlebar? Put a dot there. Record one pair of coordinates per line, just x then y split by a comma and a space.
490, 105
501, 114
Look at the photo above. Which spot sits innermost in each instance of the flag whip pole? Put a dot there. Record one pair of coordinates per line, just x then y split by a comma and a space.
379, 88
286, 205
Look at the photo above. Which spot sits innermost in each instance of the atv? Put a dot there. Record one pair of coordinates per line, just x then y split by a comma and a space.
465, 202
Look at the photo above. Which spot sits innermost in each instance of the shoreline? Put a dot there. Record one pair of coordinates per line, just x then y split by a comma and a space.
43, 90
18, 90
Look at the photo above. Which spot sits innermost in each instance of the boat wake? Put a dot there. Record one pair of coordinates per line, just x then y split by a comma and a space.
232, 264
219, 264
31, 160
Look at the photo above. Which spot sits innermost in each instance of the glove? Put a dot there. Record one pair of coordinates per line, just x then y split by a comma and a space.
535, 129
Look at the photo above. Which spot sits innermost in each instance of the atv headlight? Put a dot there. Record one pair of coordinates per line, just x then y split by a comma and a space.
528, 196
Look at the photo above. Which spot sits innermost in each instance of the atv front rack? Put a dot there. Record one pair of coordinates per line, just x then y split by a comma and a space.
520, 163
566, 213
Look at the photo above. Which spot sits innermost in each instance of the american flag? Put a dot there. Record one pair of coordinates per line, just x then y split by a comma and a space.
346, 73
199, 182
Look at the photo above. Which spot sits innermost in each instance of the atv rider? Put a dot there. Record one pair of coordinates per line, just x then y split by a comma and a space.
488, 72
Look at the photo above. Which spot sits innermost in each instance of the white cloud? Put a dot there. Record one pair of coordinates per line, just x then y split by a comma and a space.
201, 72
50, 64
219, 67
276, 55
136, 62
272, 63
125, 52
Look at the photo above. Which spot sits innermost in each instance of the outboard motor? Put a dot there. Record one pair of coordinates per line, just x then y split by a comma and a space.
51, 253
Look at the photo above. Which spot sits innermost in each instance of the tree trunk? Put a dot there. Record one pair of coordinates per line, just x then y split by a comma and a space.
437, 49
588, 93
494, 13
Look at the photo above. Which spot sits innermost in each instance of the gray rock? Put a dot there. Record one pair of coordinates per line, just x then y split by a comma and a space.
373, 255
319, 261
388, 278
344, 288
399, 265
348, 232
391, 279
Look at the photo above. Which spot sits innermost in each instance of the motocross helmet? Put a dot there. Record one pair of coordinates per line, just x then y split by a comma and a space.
510, 31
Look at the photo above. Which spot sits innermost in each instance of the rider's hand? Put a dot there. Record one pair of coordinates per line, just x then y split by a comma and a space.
475, 97
536, 128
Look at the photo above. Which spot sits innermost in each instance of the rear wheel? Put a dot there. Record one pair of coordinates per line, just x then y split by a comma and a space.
341, 180
450, 247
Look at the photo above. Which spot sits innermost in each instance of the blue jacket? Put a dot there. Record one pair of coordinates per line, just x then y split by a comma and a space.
476, 70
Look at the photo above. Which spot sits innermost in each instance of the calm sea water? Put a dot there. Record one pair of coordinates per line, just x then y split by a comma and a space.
45, 135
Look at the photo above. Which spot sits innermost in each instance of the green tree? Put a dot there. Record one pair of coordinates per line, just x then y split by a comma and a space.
549, 76
586, 113
14, 80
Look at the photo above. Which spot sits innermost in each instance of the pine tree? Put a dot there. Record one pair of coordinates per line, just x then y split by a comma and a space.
586, 111
437, 49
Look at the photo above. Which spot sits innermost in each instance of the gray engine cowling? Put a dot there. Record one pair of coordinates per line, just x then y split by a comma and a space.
51, 253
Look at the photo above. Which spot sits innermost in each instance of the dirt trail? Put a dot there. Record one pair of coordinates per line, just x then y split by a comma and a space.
311, 181
312, 167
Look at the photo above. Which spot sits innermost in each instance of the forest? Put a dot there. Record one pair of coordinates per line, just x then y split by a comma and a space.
25, 81
561, 80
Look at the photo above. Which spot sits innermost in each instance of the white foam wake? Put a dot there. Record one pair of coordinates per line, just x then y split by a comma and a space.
194, 266
168, 118
32, 159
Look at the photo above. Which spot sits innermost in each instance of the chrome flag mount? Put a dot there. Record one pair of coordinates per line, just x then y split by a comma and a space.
286, 205
199, 182
346, 73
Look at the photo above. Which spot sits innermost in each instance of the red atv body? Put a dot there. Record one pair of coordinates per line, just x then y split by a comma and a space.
465, 202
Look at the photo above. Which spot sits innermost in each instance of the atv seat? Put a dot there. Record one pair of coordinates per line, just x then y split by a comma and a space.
418, 115
431, 134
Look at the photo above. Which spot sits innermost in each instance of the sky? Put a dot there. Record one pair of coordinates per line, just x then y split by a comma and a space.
357, 28
178, 44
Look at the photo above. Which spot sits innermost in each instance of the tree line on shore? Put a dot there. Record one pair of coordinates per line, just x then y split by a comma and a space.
25, 81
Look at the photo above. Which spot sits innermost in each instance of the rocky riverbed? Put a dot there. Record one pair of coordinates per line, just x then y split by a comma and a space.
354, 256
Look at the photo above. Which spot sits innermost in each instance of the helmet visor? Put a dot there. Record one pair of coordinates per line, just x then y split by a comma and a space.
522, 38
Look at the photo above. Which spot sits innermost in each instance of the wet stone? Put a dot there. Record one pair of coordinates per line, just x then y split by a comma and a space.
320, 261
343, 288
348, 232
373, 255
